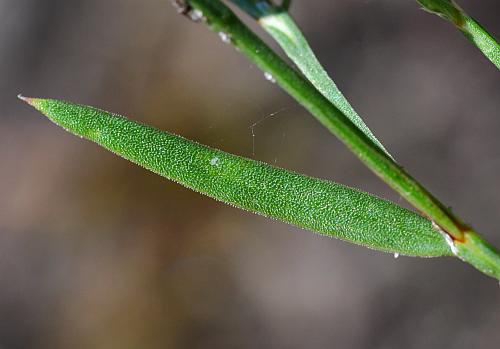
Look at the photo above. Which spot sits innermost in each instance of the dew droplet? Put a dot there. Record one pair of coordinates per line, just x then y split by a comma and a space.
269, 77
396, 255
225, 37
196, 15
214, 161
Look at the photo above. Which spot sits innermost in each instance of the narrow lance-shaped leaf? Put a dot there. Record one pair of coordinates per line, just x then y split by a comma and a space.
318, 205
450, 11
278, 23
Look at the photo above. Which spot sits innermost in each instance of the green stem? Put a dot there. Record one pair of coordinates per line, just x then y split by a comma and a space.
480, 254
221, 19
483, 40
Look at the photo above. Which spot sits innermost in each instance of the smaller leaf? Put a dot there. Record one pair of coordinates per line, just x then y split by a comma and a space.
277, 22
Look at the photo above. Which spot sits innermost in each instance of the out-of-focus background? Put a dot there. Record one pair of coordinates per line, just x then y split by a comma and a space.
98, 253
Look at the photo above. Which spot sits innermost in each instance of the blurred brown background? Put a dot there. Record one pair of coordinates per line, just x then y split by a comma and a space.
98, 253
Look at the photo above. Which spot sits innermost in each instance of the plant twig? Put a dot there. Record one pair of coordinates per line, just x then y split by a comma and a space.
450, 11
221, 19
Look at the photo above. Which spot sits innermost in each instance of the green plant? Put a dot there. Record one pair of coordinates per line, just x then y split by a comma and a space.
321, 206
450, 11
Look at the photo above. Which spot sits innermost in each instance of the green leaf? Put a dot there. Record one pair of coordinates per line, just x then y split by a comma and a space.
450, 11
278, 23
318, 205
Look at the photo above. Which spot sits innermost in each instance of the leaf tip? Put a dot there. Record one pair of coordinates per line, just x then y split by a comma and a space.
25, 99
34, 102
28, 100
